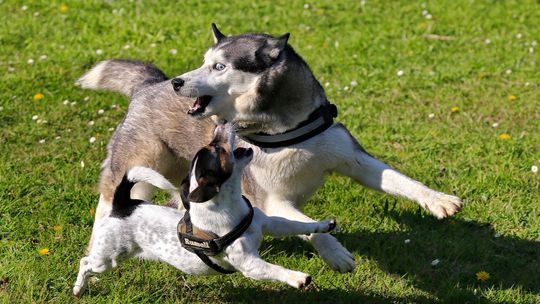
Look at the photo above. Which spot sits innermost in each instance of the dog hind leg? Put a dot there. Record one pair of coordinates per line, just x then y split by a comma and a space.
87, 267
373, 173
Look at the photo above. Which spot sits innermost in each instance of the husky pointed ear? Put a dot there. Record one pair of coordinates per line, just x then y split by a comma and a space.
203, 193
216, 33
278, 45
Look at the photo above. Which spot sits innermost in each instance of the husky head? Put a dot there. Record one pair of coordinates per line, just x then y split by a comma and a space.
256, 81
217, 168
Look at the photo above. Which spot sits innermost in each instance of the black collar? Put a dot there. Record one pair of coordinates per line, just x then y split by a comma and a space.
206, 243
317, 122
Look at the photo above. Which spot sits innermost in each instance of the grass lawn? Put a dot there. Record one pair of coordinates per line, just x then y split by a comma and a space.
445, 91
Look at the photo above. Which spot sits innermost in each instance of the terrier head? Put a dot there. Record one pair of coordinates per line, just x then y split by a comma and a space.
216, 167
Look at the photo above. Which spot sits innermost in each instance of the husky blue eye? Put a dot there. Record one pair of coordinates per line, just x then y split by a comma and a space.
219, 66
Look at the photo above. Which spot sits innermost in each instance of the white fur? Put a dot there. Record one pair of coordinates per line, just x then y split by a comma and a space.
150, 233
224, 86
292, 175
91, 79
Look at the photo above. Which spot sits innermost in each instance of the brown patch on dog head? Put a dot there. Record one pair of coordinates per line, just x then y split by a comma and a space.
213, 167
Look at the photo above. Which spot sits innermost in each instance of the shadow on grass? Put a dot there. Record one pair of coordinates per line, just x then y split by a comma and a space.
462, 247
312, 295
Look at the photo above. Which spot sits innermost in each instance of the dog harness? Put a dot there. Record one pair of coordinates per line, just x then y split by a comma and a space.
318, 121
206, 243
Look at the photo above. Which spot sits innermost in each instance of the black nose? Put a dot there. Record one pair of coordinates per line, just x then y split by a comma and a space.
177, 83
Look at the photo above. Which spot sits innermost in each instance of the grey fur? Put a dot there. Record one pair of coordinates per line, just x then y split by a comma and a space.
158, 133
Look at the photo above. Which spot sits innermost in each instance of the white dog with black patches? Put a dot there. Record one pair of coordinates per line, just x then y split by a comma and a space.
216, 207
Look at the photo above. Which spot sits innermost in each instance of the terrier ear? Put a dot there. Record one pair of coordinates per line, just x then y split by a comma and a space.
203, 193
277, 45
216, 33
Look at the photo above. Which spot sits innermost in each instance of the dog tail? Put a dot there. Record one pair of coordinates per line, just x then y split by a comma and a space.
147, 175
121, 75
122, 204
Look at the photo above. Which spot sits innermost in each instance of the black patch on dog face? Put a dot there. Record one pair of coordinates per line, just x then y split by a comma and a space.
252, 53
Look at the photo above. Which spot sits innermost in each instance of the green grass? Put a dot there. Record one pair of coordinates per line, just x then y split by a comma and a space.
43, 185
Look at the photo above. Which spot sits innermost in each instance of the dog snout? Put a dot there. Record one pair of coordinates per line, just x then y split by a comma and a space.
177, 83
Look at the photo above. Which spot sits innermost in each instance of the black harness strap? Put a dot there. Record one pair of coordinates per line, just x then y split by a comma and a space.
317, 122
204, 243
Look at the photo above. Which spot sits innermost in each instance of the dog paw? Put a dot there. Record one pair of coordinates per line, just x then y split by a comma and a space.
298, 279
442, 205
333, 253
77, 290
327, 226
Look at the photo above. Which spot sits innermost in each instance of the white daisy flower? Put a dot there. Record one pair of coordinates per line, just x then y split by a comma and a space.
152, 45
127, 46
435, 262
354, 83
30, 61
534, 169
35, 117
173, 51
407, 241
82, 163
519, 35
43, 57
306, 6
24, 7
101, 111
508, 72
42, 141
66, 102
400, 73
99, 51
431, 115
92, 139
487, 41
91, 123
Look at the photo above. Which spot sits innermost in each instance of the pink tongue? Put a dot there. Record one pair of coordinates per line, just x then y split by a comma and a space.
195, 107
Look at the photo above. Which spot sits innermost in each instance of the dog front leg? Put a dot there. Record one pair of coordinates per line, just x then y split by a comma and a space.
371, 172
280, 227
252, 266
329, 248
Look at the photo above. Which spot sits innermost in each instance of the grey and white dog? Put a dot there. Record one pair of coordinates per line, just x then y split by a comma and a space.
262, 85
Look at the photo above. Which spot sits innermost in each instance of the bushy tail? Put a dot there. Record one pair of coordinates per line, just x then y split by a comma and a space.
121, 75
147, 175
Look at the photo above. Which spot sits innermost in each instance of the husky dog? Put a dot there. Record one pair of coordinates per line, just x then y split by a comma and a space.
216, 206
280, 110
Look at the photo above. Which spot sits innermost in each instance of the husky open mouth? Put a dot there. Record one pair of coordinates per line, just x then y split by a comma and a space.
200, 105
